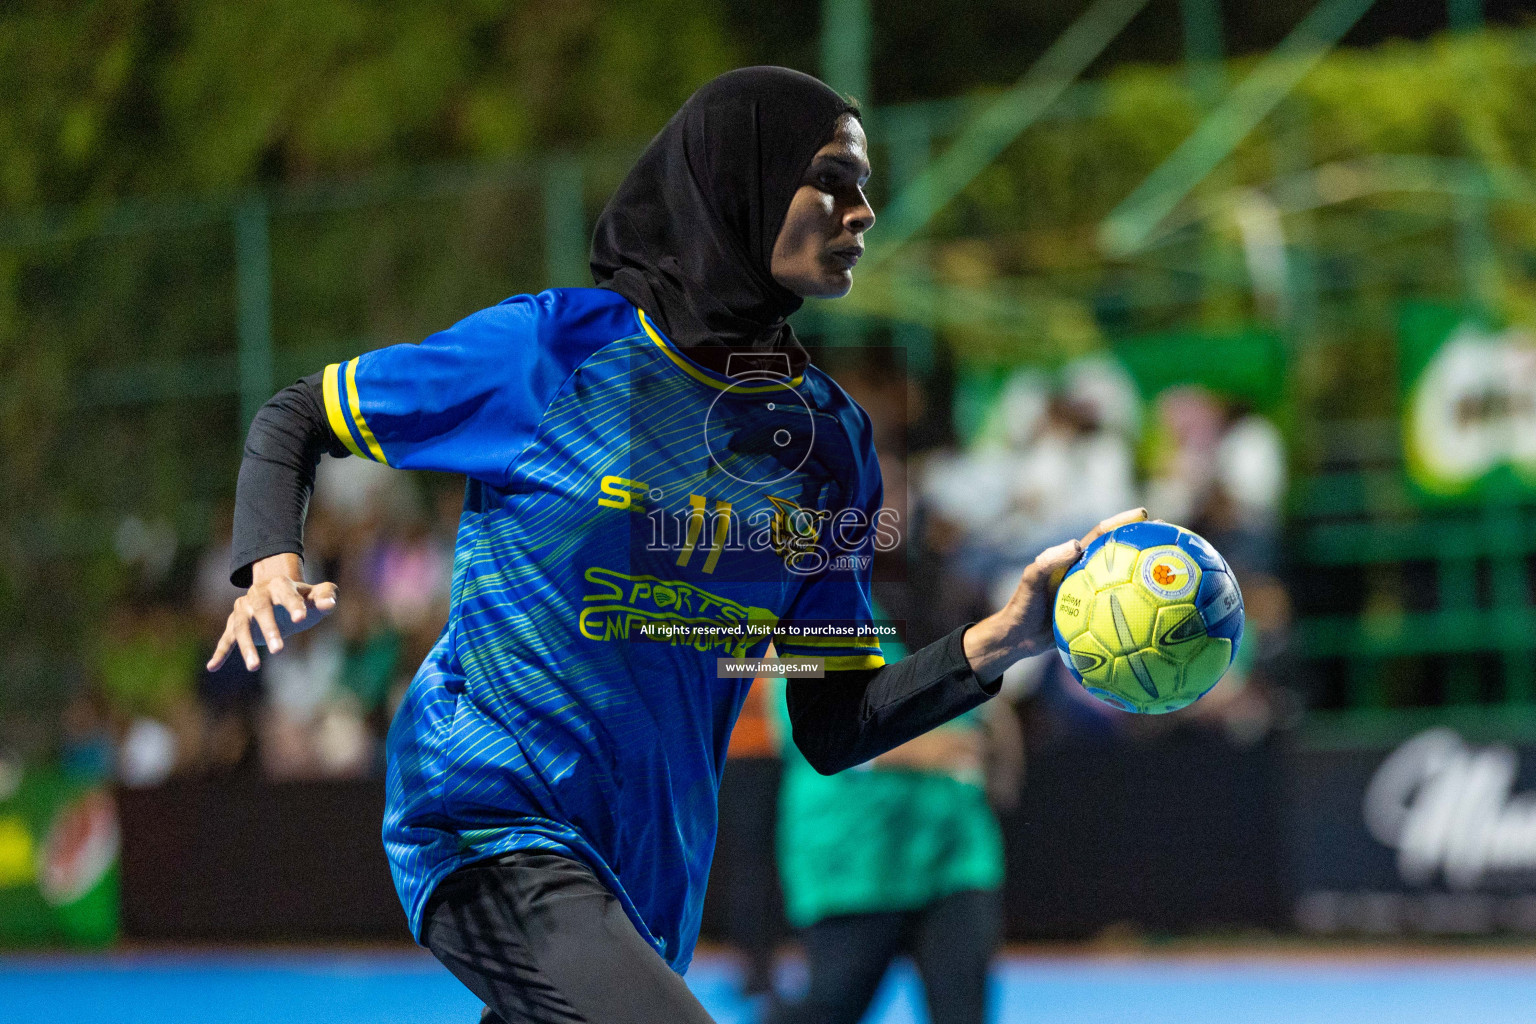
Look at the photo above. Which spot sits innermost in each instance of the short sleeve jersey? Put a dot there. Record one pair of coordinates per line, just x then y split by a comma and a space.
630, 519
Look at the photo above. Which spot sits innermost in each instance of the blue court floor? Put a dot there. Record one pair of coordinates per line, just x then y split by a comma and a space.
384, 988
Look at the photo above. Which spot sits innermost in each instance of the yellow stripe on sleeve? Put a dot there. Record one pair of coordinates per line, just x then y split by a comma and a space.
333, 411
839, 662
357, 414
867, 641
844, 664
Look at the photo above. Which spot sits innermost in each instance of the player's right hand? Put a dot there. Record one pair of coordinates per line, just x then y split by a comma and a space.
280, 604
954, 751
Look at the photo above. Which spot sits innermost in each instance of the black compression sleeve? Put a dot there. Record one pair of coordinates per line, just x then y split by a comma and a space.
277, 475
849, 717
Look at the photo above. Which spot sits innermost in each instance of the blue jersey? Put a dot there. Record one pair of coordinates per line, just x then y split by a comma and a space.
619, 494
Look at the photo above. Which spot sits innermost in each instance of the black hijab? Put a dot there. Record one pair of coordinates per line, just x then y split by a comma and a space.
688, 237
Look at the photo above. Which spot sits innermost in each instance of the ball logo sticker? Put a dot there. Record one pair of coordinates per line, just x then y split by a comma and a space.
1170, 574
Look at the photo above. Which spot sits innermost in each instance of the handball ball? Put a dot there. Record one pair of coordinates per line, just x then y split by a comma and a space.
1149, 618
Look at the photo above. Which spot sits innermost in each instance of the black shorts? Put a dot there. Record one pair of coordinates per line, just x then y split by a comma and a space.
541, 941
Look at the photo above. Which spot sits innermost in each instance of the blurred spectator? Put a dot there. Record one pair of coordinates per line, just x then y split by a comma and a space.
87, 751
410, 573
146, 665
1243, 517
1047, 463
310, 727
323, 708
1186, 431
148, 754
372, 665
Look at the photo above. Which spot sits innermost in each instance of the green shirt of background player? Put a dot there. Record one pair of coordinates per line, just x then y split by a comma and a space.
902, 855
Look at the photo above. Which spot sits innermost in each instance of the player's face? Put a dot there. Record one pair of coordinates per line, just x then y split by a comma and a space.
823, 233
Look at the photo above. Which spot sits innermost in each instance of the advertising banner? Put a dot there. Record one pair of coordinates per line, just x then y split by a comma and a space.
1469, 405
247, 860
59, 843
1436, 835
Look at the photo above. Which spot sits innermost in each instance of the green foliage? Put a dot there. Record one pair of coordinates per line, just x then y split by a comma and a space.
1464, 97
137, 97
1359, 234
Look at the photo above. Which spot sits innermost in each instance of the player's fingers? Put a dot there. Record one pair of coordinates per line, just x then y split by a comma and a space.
1052, 563
221, 651
323, 596
268, 623
242, 633
1134, 515
284, 593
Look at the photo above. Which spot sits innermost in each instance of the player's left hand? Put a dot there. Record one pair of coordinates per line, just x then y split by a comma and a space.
1023, 626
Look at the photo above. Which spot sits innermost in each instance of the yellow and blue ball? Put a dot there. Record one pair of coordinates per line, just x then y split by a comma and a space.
1149, 618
